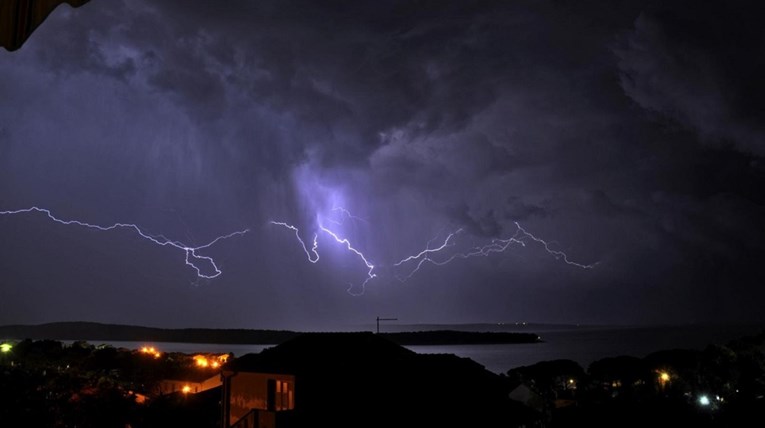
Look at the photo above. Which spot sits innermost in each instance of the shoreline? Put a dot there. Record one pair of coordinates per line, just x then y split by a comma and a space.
74, 331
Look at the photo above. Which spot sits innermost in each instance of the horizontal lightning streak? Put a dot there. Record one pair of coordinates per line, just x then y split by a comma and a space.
496, 246
430, 253
556, 253
428, 250
191, 252
520, 237
348, 214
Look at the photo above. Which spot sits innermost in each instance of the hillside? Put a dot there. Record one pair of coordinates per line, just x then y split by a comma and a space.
114, 332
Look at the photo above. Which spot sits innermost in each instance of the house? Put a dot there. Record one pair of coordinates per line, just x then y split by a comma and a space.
527, 395
190, 383
361, 379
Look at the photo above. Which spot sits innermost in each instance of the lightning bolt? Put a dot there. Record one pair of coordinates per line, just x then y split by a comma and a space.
432, 254
313, 253
429, 250
556, 253
424, 255
308, 253
347, 243
192, 258
496, 245
348, 214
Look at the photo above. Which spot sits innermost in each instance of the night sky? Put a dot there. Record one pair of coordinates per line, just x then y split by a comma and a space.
628, 135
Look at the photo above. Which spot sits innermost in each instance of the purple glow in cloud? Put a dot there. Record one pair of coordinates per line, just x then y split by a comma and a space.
428, 255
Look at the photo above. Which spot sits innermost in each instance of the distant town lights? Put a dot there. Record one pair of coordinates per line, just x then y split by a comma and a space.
150, 350
704, 400
201, 361
210, 361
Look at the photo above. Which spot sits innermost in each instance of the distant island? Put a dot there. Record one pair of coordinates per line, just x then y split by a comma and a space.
92, 331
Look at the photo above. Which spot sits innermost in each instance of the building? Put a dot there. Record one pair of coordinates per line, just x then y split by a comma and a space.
361, 379
192, 383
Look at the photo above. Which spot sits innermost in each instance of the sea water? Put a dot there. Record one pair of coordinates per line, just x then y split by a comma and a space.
581, 344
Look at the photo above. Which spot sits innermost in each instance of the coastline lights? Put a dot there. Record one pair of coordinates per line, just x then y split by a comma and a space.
663, 378
712, 402
210, 361
150, 350
704, 400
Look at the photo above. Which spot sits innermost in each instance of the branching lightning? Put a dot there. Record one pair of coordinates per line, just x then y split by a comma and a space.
192, 257
308, 252
348, 214
363, 258
520, 237
438, 255
556, 253
313, 254
429, 250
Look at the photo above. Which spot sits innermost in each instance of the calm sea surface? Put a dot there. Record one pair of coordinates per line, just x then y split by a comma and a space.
583, 345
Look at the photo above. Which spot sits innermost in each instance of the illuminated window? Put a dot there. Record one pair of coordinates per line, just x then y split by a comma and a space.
284, 396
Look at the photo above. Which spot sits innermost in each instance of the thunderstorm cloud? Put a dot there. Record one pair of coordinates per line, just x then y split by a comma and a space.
627, 134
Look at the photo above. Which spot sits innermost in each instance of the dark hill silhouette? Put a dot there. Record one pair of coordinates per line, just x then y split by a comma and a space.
115, 332
107, 332
366, 380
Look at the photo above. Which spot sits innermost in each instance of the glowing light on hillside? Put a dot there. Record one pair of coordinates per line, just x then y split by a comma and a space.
210, 361
201, 361
663, 377
186, 389
6, 347
704, 400
150, 350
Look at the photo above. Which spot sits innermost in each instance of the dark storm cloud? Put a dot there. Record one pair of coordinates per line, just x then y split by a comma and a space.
700, 67
627, 134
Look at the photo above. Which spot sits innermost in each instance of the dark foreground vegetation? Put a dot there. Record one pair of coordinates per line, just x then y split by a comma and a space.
720, 386
49, 384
